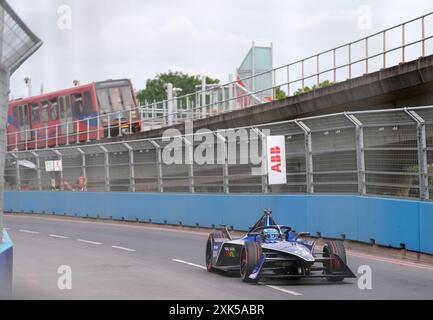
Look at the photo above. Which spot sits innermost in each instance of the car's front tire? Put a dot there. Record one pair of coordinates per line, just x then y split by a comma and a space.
335, 247
209, 249
251, 253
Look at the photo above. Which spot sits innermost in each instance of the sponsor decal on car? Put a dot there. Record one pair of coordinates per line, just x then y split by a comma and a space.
230, 252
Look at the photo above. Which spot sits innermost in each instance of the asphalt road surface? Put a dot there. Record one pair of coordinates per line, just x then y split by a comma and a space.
125, 261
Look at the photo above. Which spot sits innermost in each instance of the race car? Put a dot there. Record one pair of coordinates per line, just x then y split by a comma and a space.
270, 250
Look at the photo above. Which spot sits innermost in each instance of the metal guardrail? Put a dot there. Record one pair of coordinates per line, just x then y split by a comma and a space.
401, 43
385, 152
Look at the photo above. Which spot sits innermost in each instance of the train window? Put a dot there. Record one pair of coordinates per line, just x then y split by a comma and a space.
116, 99
44, 111
128, 101
26, 115
66, 102
78, 104
35, 113
68, 107
88, 102
20, 116
54, 110
104, 101
62, 108
16, 117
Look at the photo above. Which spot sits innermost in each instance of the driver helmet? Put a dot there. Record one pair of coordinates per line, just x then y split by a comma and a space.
270, 235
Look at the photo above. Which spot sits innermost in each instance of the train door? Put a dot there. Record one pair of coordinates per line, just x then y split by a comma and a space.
35, 121
46, 131
54, 120
66, 118
24, 134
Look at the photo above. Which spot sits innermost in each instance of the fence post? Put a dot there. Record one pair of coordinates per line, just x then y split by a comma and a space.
106, 168
422, 154
265, 185
38, 169
384, 49
189, 152
224, 161
288, 81
308, 156
46, 137
131, 167
366, 55
423, 36
360, 153
17, 171
350, 60
158, 165
203, 104
67, 132
83, 167
232, 93
60, 156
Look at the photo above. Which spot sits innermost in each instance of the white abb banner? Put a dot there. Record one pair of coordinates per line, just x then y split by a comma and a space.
276, 157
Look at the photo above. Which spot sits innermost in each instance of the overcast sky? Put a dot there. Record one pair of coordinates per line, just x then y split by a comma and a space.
137, 39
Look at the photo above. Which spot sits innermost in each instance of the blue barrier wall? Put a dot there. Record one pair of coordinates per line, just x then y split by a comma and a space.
388, 222
6, 266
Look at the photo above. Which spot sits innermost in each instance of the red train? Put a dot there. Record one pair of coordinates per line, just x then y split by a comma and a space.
88, 112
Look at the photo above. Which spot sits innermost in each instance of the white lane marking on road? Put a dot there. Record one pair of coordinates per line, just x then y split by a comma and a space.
285, 290
28, 231
190, 264
123, 248
89, 242
390, 260
58, 237
272, 287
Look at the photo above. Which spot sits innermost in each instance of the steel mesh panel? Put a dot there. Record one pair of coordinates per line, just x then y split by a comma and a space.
91, 149
336, 188
334, 140
116, 147
429, 135
141, 145
10, 173
282, 129
392, 190
69, 151
430, 171
395, 136
71, 169
95, 172
246, 188
328, 123
384, 118
390, 151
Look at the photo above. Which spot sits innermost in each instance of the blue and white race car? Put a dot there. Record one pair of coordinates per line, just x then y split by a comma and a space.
271, 250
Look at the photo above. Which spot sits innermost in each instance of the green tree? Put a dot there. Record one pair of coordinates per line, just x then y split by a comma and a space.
280, 94
307, 89
155, 88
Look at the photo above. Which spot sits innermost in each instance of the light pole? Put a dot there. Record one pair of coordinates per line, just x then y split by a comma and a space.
28, 83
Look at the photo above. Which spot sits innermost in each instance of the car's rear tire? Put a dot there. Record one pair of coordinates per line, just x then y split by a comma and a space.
251, 253
334, 247
209, 249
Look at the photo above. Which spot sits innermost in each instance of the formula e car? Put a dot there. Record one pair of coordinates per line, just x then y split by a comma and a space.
271, 250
